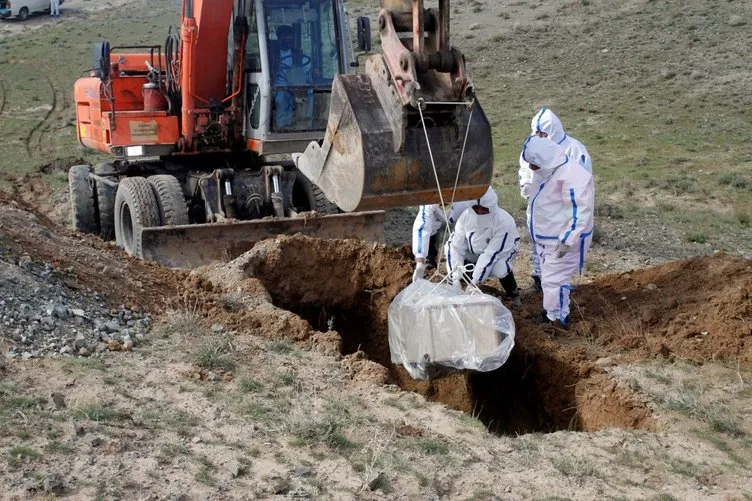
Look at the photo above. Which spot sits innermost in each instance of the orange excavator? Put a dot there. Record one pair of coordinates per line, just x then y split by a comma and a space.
249, 122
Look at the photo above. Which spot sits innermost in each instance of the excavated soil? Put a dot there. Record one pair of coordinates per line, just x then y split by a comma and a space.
334, 295
698, 309
85, 262
339, 293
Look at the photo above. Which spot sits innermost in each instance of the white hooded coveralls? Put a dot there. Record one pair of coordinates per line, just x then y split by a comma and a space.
547, 121
490, 240
54, 7
428, 222
561, 210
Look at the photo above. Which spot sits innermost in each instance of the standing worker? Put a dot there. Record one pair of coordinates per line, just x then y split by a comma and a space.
561, 221
55, 8
487, 236
546, 124
428, 222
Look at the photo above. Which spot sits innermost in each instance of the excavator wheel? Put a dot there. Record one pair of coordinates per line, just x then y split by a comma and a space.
173, 211
317, 201
83, 207
106, 201
321, 204
136, 208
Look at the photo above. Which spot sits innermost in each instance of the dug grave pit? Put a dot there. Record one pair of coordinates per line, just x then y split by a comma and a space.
347, 286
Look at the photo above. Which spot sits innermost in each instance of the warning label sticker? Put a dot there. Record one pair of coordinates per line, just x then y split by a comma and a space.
143, 131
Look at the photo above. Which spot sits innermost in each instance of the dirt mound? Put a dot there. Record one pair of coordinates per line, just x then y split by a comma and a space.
85, 264
699, 309
343, 290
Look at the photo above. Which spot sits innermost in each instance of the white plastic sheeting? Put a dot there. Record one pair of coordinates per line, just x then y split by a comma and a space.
436, 329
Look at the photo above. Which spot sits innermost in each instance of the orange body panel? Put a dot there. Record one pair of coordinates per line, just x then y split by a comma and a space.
133, 62
131, 125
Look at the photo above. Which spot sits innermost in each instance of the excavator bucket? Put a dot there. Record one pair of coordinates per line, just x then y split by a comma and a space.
408, 131
376, 156
189, 246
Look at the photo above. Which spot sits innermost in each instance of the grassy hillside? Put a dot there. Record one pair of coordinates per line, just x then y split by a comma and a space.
657, 91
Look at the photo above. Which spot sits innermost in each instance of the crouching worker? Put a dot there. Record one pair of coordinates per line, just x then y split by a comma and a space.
486, 236
428, 222
561, 221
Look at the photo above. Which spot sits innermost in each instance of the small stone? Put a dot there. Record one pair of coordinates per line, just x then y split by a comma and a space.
216, 328
53, 483
651, 287
196, 439
235, 468
375, 481
604, 362
79, 429
58, 400
26, 355
96, 441
115, 345
80, 342
624, 298
112, 326
84, 351
66, 350
77, 312
128, 345
302, 471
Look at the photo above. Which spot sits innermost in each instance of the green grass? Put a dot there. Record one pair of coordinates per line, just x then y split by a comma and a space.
20, 455
100, 412
38, 124
248, 385
214, 353
280, 346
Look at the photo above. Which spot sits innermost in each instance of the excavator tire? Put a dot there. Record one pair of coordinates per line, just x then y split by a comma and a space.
83, 206
321, 204
106, 201
173, 211
316, 198
135, 209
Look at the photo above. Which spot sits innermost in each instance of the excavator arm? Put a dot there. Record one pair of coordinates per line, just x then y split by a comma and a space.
409, 130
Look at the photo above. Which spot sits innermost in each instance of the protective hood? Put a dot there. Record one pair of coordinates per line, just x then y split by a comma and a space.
544, 153
490, 199
547, 121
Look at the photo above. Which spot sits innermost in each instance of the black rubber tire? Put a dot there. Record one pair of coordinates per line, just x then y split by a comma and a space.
321, 204
23, 14
83, 206
135, 209
173, 211
106, 200
317, 201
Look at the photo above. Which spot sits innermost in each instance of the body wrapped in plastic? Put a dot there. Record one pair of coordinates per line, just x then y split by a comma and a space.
436, 329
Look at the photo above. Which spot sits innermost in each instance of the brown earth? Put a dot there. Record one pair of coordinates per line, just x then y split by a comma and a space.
86, 261
334, 297
698, 309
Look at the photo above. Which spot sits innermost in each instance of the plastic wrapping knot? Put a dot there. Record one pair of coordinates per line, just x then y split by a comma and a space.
436, 329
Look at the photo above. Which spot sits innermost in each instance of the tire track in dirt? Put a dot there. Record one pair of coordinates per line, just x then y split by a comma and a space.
38, 126
3, 97
56, 114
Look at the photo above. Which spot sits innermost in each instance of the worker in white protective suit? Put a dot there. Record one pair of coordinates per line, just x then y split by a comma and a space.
429, 220
561, 221
55, 8
546, 124
486, 236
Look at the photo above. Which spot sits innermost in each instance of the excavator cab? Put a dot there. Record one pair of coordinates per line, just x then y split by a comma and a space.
294, 51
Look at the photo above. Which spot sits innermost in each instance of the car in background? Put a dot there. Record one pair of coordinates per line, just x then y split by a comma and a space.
21, 9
